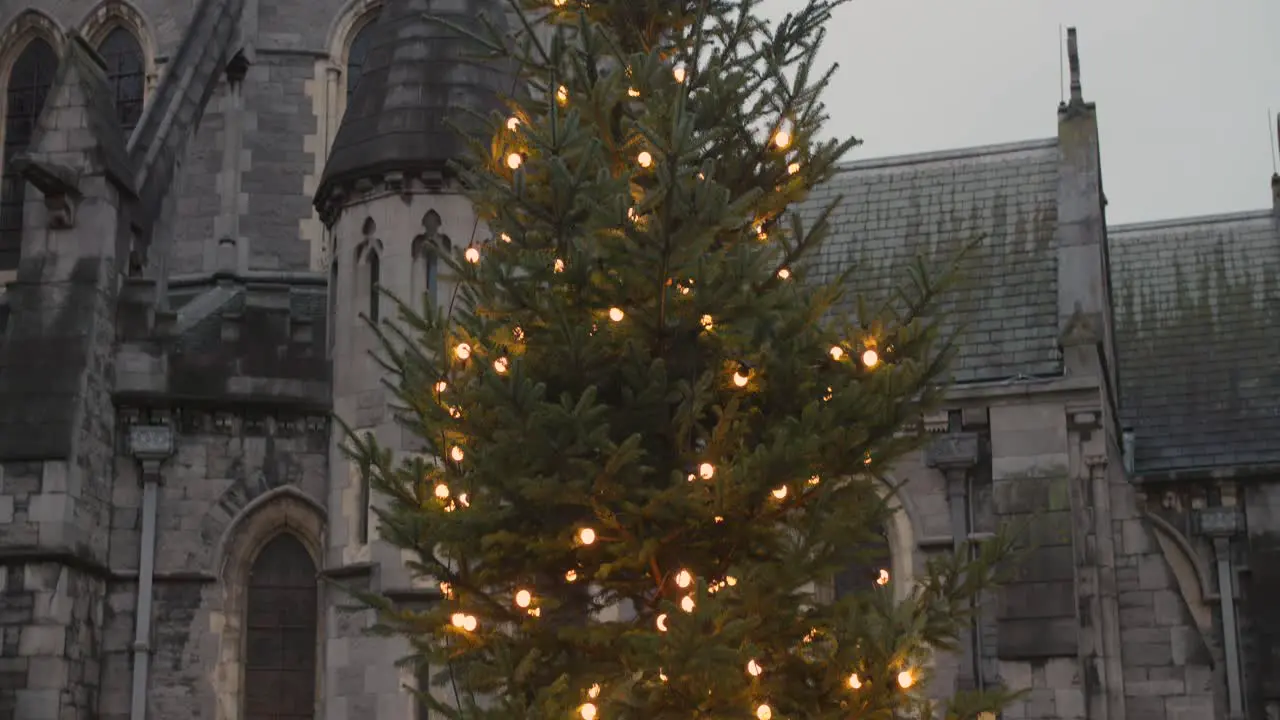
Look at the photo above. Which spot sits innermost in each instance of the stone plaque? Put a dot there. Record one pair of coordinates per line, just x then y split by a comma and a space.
151, 440
1218, 521
953, 450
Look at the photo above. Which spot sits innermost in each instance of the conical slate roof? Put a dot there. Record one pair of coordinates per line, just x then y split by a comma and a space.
418, 77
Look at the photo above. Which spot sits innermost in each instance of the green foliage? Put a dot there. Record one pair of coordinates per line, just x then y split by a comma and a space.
604, 323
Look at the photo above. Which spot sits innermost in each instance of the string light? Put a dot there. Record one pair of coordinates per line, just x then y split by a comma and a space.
633, 92
441, 385
513, 122
586, 536
500, 365
793, 168
754, 669
465, 622
906, 679
870, 358
558, 266
730, 580
782, 139
562, 95
784, 273
462, 351
706, 471
780, 492
472, 255
742, 376
587, 711
661, 622
442, 491
708, 323
684, 578
686, 603
883, 578
815, 480
457, 453
463, 501
455, 412
446, 590
571, 576
764, 712
855, 682
524, 598
836, 352
505, 237
517, 332
679, 73
594, 691
645, 158
515, 160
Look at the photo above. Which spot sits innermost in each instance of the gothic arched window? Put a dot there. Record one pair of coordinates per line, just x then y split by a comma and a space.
865, 565
26, 89
280, 633
127, 73
356, 54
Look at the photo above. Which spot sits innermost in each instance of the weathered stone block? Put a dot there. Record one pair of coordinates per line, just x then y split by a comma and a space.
36, 704
42, 640
1148, 654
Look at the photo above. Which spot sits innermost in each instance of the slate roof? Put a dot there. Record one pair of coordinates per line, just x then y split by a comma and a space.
1197, 313
418, 74
931, 204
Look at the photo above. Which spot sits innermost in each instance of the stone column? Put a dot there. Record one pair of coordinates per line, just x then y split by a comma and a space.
150, 445
227, 225
955, 454
1221, 524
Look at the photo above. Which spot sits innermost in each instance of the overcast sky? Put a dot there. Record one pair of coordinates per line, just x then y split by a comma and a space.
1182, 88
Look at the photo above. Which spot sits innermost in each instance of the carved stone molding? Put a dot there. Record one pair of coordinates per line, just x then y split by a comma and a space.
953, 451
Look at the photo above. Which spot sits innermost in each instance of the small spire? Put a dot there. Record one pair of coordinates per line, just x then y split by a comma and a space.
1073, 64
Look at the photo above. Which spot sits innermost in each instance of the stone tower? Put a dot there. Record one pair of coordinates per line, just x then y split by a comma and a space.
392, 204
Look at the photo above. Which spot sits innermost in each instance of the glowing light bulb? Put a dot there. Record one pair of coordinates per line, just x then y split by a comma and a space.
558, 266
855, 682
870, 358
793, 168
836, 352
560, 3
535, 612
906, 679
457, 453
462, 351
780, 492
661, 622
741, 377
571, 576
644, 158
472, 254
454, 412
586, 536
632, 92
562, 95
684, 290
684, 578
458, 619
706, 471
463, 501
815, 480
829, 395
446, 589
686, 603
719, 519
631, 214
754, 669
616, 314
505, 237
513, 122
764, 712
441, 386
782, 139
883, 578
679, 73
501, 365
442, 491
587, 711
523, 598
661, 675
469, 623
517, 332
515, 160
784, 274
708, 323
594, 692
730, 580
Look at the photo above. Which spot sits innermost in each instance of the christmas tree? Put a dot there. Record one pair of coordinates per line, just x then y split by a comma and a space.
648, 444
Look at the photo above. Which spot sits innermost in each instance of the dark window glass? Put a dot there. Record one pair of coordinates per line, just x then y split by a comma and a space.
280, 633
27, 87
333, 303
356, 56
865, 564
127, 74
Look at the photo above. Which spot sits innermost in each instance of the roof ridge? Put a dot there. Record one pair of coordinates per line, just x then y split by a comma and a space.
1190, 220
951, 154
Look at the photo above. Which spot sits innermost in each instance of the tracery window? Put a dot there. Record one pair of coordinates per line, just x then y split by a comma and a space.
26, 90
280, 633
126, 73
865, 567
356, 54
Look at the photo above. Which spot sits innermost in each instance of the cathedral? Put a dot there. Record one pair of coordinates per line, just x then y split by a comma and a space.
200, 199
